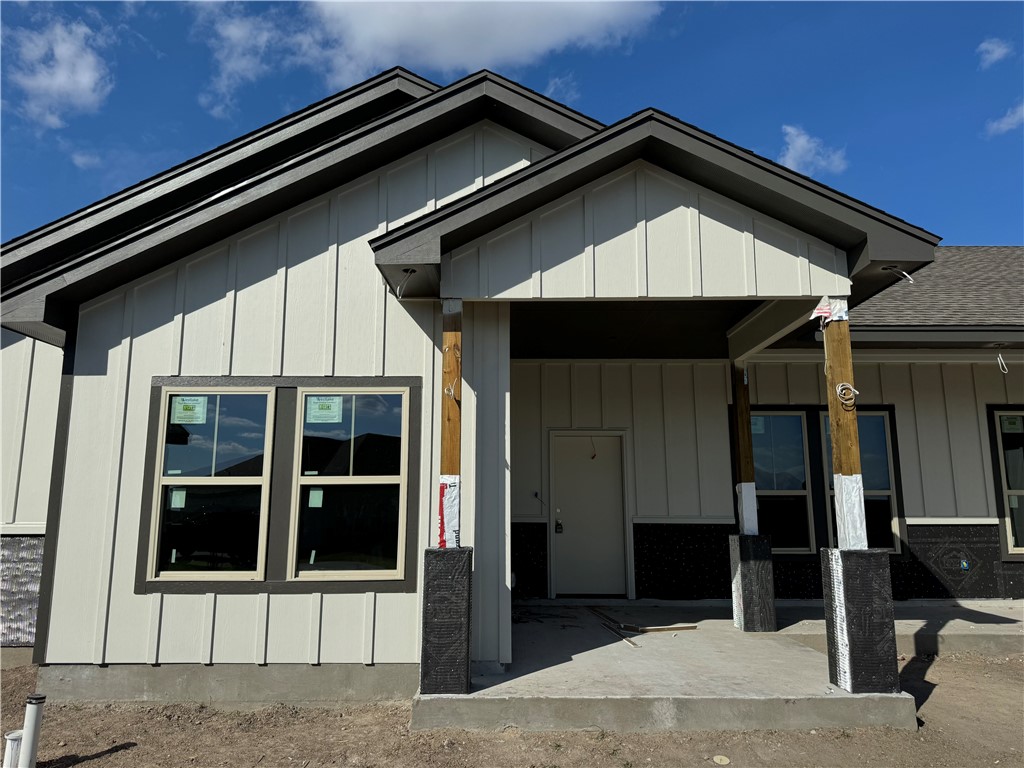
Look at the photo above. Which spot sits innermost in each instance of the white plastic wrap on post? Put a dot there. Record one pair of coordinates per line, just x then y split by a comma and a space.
852, 530
450, 502
842, 638
12, 748
746, 502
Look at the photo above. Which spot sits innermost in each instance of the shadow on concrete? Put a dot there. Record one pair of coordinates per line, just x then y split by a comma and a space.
66, 761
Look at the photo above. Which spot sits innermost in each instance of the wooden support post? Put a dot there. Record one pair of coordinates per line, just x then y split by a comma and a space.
448, 568
856, 585
743, 448
750, 555
842, 415
451, 424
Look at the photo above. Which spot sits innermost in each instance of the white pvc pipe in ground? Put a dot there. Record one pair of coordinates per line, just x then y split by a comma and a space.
12, 748
30, 740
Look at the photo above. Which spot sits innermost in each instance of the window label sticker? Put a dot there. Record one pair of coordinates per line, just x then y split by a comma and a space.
757, 425
188, 409
177, 498
316, 498
1011, 424
323, 409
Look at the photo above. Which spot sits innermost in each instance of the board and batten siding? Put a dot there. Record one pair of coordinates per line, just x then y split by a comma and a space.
676, 419
31, 372
643, 232
941, 421
296, 295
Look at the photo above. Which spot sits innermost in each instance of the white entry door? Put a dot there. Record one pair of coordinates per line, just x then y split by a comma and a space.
588, 546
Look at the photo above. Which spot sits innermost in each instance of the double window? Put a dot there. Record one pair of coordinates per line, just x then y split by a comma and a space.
786, 472
279, 482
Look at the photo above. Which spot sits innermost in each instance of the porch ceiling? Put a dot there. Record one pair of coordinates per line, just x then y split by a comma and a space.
599, 330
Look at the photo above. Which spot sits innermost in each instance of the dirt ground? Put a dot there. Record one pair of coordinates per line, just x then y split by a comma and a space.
970, 710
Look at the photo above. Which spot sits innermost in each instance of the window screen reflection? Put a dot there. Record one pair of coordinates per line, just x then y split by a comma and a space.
345, 435
778, 452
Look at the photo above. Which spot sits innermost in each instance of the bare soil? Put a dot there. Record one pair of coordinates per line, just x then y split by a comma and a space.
970, 710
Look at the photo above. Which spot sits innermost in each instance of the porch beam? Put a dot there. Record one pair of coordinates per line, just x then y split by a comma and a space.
770, 322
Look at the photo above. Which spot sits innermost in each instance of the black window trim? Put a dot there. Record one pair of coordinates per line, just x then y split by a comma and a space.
275, 579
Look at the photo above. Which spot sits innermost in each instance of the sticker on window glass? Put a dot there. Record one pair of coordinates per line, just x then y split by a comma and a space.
323, 409
316, 498
1011, 424
757, 425
177, 498
190, 409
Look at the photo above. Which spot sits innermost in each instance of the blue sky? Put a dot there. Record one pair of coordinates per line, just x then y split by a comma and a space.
915, 108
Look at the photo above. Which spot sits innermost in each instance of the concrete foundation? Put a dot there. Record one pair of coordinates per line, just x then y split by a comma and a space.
229, 686
569, 671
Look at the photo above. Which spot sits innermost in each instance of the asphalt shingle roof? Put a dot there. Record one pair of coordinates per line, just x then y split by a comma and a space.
976, 285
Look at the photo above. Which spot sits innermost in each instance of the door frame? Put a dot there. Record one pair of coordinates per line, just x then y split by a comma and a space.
626, 455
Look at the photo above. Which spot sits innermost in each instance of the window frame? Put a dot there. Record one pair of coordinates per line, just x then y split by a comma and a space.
1008, 551
894, 521
807, 492
282, 429
299, 480
160, 481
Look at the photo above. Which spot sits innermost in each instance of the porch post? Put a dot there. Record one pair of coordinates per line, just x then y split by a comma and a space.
448, 568
857, 589
750, 555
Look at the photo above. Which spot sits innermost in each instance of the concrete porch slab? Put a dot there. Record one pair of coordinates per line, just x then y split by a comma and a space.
569, 672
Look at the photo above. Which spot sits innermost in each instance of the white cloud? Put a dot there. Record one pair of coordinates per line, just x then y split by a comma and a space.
808, 154
563, 89
1013, 119
993, 50
59, 71
347, 42
85, 160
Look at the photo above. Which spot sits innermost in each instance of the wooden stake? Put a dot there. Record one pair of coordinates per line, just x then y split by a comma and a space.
842, 414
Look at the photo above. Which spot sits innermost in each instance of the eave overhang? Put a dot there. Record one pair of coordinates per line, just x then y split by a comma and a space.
48, 272
410, 256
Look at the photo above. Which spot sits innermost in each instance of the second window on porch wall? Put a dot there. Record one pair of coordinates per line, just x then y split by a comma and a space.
787, 494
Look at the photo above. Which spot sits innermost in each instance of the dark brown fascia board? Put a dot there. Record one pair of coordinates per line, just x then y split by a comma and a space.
871, 237
337, 113
297, 179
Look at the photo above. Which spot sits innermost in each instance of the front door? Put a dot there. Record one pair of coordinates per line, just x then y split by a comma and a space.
588, 547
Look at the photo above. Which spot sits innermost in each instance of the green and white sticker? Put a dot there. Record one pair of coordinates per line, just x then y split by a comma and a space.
1011, 424
323, 409
188, 409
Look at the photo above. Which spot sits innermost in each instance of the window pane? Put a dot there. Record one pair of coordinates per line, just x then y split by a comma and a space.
327, 435
348, 528
877, 519
778, 452
784, 518
1016, 503
377, 447
1013, 450
209, 434
209, 528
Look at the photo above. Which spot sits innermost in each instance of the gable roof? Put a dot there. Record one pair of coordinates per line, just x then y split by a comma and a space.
976, 286
870, 237
46, 273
